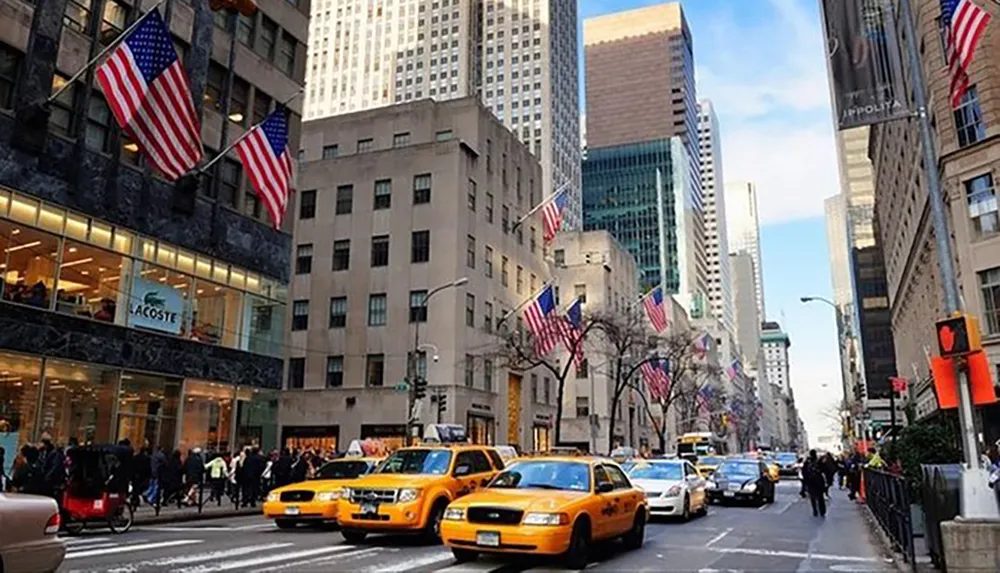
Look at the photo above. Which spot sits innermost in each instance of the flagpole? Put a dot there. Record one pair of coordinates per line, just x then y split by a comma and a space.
245, 134
533, 296
102, 53
661, 220
535, 209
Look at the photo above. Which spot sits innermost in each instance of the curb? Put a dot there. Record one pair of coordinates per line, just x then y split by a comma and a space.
184, 517
898, 560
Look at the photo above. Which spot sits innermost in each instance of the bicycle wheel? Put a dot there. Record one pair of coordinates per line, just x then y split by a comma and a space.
121, 521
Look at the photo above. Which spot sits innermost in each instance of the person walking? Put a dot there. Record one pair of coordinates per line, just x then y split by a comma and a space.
253, 469
814, 480
157, 466
216, 469
282, 469
173, 478
194, 473
3, 470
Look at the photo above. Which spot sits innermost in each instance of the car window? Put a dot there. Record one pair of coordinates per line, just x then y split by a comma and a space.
600, 476
480, 463
763, 468
495, 458
465, 459
618, 477
689, 470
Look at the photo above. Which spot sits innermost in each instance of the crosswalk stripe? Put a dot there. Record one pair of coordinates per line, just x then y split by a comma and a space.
199, 557
75, 541
413, 564
339, 558
471, 567
257, 562
131, 548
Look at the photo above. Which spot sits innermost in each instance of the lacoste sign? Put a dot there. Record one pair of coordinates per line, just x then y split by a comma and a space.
155, 305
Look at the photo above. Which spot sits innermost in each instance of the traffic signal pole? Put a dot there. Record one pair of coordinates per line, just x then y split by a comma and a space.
977, 500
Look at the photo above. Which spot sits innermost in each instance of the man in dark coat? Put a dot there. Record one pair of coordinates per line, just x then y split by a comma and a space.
53, 469
814, 480
194, 471
253, 469
157, 463
282, 470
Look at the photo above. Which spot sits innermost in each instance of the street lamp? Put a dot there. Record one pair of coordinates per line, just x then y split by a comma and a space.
411, 368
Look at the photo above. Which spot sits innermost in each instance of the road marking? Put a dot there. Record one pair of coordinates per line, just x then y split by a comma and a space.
75, 541
339, 558
197, 557
776, 553
471, 567
183, 529
718, 537
257, 562
258, 526
410, 565
855, 568
131, 548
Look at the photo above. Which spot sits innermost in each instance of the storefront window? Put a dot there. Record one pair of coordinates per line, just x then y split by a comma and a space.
481, 430
207, 418
91, 283
147, 410
159, 300
257, 417
19, 379
319, 438
262, 324
77, 402
541, 438
28, 265
216, 315
392, 436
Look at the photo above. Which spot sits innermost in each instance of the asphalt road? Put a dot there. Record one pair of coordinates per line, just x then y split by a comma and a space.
783, 536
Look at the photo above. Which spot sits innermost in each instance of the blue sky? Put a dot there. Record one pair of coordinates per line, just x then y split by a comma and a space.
761, 63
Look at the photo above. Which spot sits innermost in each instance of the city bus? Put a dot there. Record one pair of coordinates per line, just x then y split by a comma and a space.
693, 445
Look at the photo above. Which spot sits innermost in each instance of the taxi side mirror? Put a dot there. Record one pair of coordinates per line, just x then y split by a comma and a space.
605, 487
462, 470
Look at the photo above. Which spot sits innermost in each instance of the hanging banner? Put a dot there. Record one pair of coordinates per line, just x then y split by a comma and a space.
864, 62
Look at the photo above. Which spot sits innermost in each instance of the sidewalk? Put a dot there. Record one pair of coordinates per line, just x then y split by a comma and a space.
145, 515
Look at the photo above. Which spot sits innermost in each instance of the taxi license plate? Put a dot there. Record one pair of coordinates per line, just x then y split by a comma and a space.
729, 493
488, 538
291, 511
369, 508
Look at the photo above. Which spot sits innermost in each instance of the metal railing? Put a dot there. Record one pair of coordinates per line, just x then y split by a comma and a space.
888, 498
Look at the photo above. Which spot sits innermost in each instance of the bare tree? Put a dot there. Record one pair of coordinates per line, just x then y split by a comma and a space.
743, 404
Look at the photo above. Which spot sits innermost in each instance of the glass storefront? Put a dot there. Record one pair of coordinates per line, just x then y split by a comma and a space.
77, 402
257, 417
72, 264
147, 410
481, 430
20, 379
540, 438
207, 420
319, 438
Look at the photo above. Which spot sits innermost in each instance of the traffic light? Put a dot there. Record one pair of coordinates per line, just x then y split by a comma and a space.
958, 336
859, 392
245, 7
419, 388
442, 402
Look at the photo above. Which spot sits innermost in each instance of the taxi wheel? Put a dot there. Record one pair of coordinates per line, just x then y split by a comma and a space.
686, 514
464, 555
578, 554
432, 533
354, 535
637, 535
284, 523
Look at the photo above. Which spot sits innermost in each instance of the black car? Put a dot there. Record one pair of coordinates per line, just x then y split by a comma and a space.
740, 480
788, 464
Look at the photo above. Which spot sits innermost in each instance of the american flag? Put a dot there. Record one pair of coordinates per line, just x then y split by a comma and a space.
148, 93
965, 23
702, 344
552, 214
539, 319
733, 369
572, 326
268, 163
656, 374
703, 397
653, 302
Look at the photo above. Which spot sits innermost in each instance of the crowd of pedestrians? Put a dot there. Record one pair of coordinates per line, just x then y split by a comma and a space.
819, 473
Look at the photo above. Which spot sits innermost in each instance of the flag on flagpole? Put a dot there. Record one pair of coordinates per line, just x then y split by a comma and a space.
538, 317
656, 375
572, 325
147, 90
733, 369
653, 303
268, 163
966, 22
552, 215
703, 397
702, 344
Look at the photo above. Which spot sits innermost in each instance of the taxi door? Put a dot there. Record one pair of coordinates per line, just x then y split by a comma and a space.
472, 471
626, 500
696, 485
603, 516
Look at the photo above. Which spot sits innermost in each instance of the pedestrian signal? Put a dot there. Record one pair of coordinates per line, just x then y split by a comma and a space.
958, 336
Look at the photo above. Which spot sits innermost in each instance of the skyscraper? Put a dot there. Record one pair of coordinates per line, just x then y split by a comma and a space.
519, 58
743, 230
720, 293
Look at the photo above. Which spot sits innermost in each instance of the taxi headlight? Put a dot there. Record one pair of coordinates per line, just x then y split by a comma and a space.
546, 519
454, 514
406, 495
751, 487
272, 497
674, 490
328, 495
710, 484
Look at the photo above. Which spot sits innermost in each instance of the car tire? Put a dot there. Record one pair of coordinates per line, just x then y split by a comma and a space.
578, 555
703, 510
74, 527
285, 523
354, 535
432, 531
686, 511
464, 555
635, 537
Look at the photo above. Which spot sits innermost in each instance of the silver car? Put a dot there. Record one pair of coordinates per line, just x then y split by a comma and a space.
673, 487
29, 544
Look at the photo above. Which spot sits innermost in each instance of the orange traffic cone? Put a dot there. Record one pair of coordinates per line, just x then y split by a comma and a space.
861, 490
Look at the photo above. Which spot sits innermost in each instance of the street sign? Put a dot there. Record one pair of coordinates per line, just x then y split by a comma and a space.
958, 336
401, 387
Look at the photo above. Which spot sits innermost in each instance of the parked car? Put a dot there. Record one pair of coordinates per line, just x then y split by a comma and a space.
741, 480
673, 487
29, 543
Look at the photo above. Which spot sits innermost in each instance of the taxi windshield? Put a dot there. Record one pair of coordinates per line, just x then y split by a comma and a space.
709, 461
342, 470
432, 462
664, 471
738, 470
570, 476
787, 458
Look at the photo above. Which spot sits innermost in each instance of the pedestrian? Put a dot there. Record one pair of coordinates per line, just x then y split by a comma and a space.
140, 475
157, 467
172, 479
842, 471
814, 480
194, 472
3, 470
216, 469
802, 481
829, 467
53, 469
300, 468
27, 476
283, 468
253, 469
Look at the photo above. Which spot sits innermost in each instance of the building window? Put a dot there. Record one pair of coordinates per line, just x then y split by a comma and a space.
284, 60
580, 293
488, 257
338, 312
239, 101
10, 63
296, 373
982, 199
489, 207
470, 252
488, 316
487, 375
342, 255
244, 29
98, 123
472, 195
307, 204
559, 256
330, 151
77, 15
547, 389
375, 370
470, 370
376, 310
418, 306
266, 38
345, 199
401, 139
61, 118
380, 251
583, 369
505, 219
989, 284
420, 247
470, 310
443, 135
519, 280
303, 259
334, 371
383, 194
261, 105
366, 145
534, 387
422, 189
300, 315
531, 239
504, 278
969, 119
582, 406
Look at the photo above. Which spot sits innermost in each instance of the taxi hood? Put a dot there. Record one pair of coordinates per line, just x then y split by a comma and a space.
656, 484
315, 485
397, 481
524, 499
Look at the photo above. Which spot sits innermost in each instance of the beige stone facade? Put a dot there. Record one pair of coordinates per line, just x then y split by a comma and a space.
408, 198
968, 144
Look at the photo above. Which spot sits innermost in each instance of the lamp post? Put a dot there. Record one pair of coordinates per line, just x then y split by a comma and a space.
411, 367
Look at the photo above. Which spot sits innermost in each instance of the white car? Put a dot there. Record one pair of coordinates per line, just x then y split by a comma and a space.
673, 487
28, 542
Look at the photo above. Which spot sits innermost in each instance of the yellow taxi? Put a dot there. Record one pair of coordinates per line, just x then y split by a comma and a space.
315, 501
409, 491
708, 464
556, 506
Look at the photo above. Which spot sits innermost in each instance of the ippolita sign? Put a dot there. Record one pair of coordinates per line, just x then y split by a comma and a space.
155, 305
